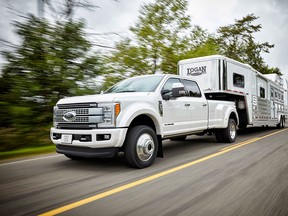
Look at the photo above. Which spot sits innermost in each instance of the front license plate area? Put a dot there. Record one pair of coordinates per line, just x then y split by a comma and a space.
66, 138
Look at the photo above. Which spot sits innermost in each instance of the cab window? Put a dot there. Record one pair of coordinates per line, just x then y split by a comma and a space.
169, 83
192, 88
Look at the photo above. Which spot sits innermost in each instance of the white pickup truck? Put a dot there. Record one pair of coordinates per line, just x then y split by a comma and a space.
135, 115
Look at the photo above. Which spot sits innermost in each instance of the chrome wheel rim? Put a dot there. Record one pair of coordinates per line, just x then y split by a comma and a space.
145, 147
232, 131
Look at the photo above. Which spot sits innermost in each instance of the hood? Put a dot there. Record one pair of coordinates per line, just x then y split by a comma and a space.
101, 98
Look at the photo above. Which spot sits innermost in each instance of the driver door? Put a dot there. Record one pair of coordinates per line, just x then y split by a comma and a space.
176, 113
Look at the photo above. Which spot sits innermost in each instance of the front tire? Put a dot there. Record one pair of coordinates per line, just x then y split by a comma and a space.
141, 146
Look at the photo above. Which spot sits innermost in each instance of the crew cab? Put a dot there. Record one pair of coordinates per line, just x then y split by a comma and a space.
135, 115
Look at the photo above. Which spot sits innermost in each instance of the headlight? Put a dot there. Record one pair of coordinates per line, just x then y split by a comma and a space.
55, 109
110, 113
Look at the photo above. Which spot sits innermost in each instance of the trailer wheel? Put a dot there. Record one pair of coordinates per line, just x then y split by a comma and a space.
230, 133
141, 146
280, 124
283, 122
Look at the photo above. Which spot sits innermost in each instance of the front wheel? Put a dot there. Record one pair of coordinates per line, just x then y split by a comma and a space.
141, 146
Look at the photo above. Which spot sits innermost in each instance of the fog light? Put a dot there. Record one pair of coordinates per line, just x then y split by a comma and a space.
56, 136
101, 137
85, 138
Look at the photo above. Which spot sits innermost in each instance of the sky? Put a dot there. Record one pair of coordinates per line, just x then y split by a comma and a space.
118, 16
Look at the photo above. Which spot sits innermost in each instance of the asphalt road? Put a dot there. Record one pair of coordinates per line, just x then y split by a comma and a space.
196, 177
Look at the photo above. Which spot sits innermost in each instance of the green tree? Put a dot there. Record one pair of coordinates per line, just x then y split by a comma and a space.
237, 42
51, 62
162, 36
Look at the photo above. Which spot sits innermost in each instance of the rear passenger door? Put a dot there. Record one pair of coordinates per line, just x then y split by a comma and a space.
197, 105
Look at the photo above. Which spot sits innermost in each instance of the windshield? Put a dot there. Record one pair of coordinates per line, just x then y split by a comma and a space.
136, 84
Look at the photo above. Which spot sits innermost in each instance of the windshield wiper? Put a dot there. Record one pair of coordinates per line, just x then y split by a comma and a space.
124, 91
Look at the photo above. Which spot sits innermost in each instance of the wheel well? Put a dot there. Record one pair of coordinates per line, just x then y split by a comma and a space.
233, 116
143, 120
146, 120
241, 110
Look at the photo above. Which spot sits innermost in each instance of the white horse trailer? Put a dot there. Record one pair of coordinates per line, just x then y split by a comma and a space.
261, 100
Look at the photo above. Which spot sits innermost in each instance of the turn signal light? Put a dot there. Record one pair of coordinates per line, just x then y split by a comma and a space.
117, 109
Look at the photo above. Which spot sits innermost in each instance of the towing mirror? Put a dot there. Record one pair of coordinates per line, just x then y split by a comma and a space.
165, 94
178, 90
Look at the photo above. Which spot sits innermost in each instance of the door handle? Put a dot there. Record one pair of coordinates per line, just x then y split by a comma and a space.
204, 105
187, 105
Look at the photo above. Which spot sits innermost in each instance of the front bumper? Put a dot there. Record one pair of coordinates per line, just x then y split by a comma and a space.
114, 138
86, 152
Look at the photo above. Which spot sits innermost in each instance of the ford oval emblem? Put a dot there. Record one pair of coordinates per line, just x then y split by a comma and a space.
69, 116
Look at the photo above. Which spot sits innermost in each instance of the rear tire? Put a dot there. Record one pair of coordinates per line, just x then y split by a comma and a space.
227, 135
141, 146
283, 122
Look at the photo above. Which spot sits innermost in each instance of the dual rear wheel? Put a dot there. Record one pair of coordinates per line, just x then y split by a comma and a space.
227, 135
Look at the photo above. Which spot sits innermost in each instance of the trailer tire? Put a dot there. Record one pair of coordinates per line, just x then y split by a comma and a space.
141, 146
230, 133
283, 122
280, 124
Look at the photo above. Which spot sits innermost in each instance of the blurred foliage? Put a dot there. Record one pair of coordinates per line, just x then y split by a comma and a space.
53, 61
236, 41
162, 36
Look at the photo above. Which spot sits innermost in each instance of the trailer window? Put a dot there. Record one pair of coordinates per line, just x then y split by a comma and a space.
192, 88
238, 80
262, 92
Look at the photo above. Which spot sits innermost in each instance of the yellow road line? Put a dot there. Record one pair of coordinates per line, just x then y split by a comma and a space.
150, 178
231, 147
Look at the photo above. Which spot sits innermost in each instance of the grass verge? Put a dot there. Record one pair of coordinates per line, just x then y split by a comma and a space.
26, 152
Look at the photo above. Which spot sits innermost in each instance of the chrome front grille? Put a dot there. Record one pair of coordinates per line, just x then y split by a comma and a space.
77, 105
80, 119
86, 116
80, 111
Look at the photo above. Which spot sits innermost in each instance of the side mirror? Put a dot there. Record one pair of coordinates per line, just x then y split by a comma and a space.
178, 90
165, 94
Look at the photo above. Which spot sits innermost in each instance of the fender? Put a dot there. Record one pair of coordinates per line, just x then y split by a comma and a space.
136, 109
230, 111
